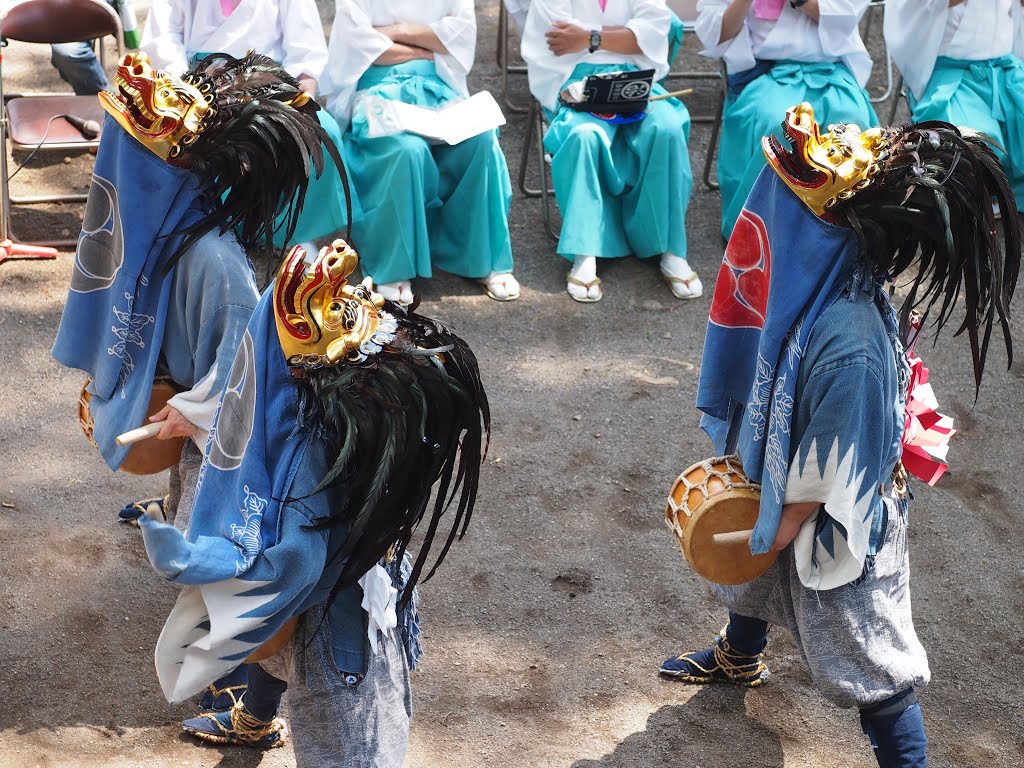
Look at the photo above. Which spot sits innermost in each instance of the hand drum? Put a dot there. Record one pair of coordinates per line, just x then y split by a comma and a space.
146, 457
711, 498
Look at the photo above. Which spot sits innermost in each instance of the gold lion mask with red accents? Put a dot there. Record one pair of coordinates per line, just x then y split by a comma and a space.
322, 319
824, 169
166, 114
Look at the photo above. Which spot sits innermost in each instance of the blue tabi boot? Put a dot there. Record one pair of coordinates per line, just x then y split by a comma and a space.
238, 727
131, 513
735, 657
224, 693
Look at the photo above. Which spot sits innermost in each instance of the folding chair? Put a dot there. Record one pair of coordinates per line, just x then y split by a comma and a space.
38, 122
535, 132
869, 18
901, 93
506, 20
686, 10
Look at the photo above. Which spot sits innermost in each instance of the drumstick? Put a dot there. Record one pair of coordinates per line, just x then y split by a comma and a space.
137, 435
732, 537
674, 94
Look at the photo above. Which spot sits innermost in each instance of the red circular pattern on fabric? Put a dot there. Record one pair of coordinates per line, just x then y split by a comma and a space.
741, 293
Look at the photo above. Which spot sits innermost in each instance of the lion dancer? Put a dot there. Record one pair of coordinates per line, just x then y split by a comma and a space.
341, 414
164, 288
805, 377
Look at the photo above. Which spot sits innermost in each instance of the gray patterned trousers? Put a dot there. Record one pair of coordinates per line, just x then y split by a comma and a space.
334, 723
181, 495
857, 640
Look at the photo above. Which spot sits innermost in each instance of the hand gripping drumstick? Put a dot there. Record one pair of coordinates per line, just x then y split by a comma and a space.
140, 434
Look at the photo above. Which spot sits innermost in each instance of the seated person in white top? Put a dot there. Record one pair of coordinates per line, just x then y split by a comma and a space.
180, 32
425, 205
622, 188
962, 63
779, 54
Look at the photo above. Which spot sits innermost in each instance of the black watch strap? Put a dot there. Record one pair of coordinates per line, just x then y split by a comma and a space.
595, 39
797, 3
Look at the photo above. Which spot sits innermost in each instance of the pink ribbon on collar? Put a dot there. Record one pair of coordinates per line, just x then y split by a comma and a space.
602, 3
926, 432
227, 7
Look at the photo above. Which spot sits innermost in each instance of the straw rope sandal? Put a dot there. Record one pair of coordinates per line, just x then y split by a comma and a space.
237, 727
720, 663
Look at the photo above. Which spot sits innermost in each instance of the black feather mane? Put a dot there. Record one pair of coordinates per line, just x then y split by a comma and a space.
410, 422
255, 159
930, 207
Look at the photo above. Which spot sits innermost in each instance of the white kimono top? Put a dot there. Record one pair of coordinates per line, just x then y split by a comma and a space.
917, 32
288, 31
355, 44
649, 20
794, 36
517, 10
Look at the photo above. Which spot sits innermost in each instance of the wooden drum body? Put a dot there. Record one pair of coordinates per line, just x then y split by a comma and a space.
713, 497
146, 457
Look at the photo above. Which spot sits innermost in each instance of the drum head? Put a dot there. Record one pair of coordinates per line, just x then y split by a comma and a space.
149, 456
728, 564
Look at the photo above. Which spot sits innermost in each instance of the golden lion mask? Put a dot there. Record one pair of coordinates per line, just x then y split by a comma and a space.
824, 169
164, 113
321, 318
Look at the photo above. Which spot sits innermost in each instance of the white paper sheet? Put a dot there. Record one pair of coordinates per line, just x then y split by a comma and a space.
453, 123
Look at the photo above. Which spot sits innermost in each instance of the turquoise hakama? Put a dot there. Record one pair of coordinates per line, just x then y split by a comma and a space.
757, 111
426, 205
622, 189
987, 96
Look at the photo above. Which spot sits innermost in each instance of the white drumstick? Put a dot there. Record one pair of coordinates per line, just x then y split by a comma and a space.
673, 95
137, 435
732, 537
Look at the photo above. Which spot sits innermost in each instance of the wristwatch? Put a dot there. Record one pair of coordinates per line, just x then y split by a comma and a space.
595, 39
797, 3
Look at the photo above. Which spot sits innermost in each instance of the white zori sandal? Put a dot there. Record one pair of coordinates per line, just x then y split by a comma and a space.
681, 279
582, 283
501, 286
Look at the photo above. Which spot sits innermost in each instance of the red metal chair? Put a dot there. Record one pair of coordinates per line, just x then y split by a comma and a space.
37, 122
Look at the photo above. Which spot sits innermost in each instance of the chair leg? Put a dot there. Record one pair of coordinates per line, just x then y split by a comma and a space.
900, 92
524, 159
504, 63
499, 49
716, 130
10, 249
545, 191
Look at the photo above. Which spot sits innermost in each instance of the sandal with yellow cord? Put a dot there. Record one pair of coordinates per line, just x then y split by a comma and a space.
689, 287
237, 727
586, 285
721, 663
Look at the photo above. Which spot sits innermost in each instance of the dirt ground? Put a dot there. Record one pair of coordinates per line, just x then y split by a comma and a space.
545, 628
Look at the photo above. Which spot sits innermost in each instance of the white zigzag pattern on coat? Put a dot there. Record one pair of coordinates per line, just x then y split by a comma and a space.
189, 657
837, 485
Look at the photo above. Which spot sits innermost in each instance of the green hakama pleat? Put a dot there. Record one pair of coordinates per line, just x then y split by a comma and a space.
426, 205
987, 96
621, 189
760, 108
